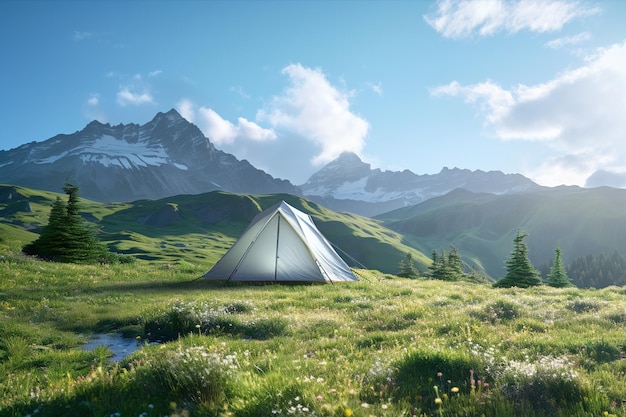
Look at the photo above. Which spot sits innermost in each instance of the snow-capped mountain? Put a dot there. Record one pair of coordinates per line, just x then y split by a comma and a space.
164, 157
169, 156
349, 184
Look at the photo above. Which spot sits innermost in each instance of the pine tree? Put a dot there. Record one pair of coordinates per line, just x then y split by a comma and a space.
557, 276
447, 266
67, 237
455, 265
407, 269
82, 244
519, 271
49, 244
438, 266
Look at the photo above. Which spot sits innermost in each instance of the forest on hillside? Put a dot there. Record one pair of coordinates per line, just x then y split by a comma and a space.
598, 271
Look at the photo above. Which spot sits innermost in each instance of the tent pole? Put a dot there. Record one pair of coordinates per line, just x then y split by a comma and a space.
323, 271
277, 240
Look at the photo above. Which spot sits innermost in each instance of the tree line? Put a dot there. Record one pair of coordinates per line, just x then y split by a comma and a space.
598, 271
519, 270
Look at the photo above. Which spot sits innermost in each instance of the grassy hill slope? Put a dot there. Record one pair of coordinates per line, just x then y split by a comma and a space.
482, 226
199, 229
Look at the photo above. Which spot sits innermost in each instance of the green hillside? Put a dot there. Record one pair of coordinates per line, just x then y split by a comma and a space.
199, 229
482, 226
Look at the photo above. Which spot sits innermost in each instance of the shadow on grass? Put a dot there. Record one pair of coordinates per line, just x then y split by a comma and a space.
158, 286
192, 285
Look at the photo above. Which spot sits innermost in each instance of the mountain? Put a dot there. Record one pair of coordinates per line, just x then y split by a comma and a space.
164, 157
581, 221
349, 184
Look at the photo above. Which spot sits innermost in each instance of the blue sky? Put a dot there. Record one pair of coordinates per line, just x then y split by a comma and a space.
532, 87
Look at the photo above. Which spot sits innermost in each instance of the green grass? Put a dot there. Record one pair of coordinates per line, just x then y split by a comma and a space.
377, 347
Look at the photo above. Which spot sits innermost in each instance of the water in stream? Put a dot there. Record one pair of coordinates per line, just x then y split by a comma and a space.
116, 343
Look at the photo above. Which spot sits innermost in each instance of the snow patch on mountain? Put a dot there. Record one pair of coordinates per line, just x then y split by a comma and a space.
50, 159
347, 183
110, 151
356, 190
164, 157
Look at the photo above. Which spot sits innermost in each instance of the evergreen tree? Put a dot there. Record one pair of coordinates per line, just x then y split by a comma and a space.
438, 266
599, 271
82, 243
519, 271
557, 276
447, 266
407, 269
48, 244
455, 264
67, 237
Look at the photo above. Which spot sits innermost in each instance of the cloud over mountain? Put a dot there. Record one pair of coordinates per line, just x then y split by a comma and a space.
312, 108
578, 115
125, 97
220, 130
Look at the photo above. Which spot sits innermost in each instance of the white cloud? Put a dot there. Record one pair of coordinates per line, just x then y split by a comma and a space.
221, 131
218, 130
314, 109
240, 91
463, 18
577, 115
377, 88
79, 36
155, 73
568, 40
92, 109
125, 97
186, 108
93, 100
250, 130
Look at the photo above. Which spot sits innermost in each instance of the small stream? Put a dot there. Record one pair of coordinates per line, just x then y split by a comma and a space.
116, 343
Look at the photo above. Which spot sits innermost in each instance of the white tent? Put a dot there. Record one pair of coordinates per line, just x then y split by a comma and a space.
281, 244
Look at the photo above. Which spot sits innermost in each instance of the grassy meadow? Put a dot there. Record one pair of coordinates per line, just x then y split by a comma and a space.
382, 347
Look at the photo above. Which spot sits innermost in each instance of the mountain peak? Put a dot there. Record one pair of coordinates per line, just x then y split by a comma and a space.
166, 156
347, 183
172, 117
347, 157
96, 124
347, 166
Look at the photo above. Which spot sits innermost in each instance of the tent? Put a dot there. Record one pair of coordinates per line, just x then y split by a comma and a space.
281, 244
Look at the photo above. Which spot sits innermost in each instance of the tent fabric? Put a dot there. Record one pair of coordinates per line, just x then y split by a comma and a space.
281, 244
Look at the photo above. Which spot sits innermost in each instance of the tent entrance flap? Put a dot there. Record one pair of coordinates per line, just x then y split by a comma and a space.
281, 244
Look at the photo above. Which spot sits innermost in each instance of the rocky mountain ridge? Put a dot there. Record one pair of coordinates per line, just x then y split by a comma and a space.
349, 184
164, 157
170, 156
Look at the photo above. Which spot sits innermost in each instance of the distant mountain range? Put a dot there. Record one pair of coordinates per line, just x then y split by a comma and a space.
164, 157
170, 156
349, 184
